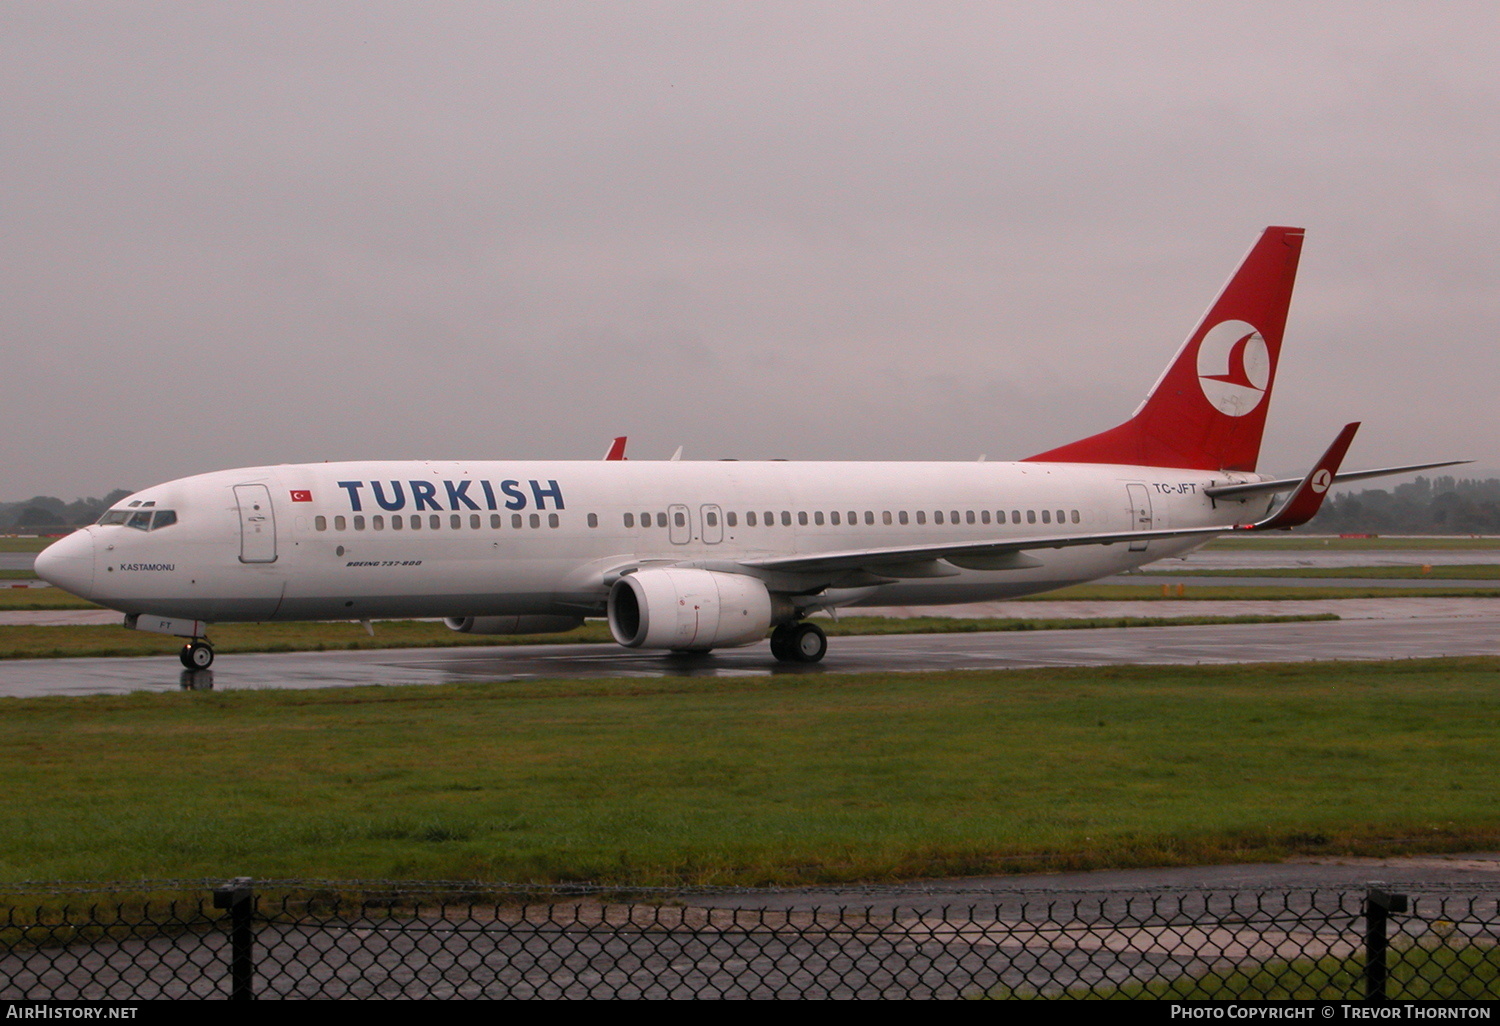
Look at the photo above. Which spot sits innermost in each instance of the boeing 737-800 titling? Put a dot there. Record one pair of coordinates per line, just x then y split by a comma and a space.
692, 556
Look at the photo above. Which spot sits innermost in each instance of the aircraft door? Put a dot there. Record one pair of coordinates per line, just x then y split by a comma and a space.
1140, 509
257, 523
679, 524
713, 525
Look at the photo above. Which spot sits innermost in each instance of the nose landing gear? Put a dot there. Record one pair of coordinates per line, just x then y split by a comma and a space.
197, 654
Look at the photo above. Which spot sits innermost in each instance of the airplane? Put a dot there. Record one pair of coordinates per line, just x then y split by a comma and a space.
695, 555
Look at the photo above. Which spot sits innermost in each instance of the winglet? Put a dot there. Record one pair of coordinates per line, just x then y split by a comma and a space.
616, 449
1305, 502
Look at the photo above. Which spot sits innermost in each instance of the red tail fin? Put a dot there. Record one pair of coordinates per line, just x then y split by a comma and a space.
1208, 410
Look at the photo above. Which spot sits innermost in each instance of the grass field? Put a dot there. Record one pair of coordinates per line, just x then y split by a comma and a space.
1462, 572
86, 640
1461, 971
24, 544
758, 779
1282, 540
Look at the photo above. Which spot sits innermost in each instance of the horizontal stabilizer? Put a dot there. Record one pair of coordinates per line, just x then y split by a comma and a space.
1240, 491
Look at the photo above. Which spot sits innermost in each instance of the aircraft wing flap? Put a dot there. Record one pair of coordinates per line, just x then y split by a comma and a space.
998, 554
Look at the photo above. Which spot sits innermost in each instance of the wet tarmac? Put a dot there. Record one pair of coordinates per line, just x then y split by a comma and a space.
1410, 638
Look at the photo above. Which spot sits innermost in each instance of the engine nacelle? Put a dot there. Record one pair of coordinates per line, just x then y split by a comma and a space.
513, 624
686, 610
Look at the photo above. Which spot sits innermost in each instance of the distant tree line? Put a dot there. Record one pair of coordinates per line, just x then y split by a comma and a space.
1442, 505
41, 512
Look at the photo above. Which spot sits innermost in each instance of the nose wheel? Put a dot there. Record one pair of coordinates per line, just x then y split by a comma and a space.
197, 655
799, 642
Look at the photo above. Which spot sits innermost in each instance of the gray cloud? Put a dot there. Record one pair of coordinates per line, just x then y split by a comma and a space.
238, 234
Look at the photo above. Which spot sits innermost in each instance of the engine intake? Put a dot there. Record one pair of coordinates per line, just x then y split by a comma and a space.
688, 610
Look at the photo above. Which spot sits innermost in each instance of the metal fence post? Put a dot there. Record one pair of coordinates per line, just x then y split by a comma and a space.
1378, 906
238, 896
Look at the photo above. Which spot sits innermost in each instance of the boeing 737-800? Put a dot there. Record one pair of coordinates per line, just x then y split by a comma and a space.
692, 556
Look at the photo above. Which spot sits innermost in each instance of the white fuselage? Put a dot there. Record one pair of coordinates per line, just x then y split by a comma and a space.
460, 539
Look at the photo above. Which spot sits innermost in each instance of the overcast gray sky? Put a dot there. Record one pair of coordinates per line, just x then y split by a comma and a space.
249, 233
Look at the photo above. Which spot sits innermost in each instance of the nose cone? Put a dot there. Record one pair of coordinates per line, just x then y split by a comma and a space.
68, 563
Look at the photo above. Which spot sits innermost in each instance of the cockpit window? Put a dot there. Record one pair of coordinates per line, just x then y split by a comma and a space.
141, 519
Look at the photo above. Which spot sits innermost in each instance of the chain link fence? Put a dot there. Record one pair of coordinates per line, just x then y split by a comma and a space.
346, 940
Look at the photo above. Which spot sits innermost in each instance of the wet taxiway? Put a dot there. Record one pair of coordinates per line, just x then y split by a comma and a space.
1415, 637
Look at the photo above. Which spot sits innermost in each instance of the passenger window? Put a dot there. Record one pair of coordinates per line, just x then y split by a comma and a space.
984, 516
629, 519
359, 523
902, 517
1015, 516
679, 519
732, 519
750, 519
434, 521
320, 523
516, 521
593, 520
552, 520
473, 521
397, 522
454, 521
802, 518
786, 518
495, 521
1046, 516
1031, 516
969, 516
710, 518
339, 523
1062, 517
377, 522
536, 520
416, 522
833, 518
661, 520
885, 518
164, 518
921, 517
853, 517
870, 517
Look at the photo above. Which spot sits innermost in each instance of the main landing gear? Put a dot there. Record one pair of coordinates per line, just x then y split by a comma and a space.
799, 642
197, 654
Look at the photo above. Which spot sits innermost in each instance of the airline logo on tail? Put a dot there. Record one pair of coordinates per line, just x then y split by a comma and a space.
1234, 367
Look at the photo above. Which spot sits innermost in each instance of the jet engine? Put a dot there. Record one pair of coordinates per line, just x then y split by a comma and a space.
513, 624
689, 610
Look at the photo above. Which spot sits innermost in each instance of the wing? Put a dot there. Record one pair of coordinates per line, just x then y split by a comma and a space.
916, 561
